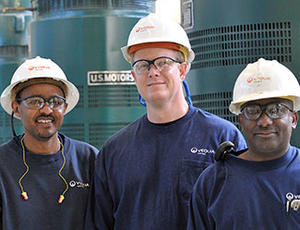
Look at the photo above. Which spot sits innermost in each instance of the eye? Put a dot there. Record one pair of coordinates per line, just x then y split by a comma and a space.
253, 109
162, 62
56, 101
274, 109
34, 101
279, 109
141, 65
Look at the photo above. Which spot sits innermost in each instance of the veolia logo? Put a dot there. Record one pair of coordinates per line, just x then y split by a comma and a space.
293, 202
289, 196
78, 184
201, 151
143, 28
37, 68
257, 79
194, 150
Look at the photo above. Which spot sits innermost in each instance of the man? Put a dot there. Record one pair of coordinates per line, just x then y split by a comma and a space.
44, 176
145, 172
260, 187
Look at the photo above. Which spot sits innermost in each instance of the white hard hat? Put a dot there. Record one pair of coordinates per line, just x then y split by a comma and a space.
155, 28
265, 79
39, 68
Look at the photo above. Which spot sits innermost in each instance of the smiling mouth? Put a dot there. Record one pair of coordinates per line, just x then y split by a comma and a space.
44, 121
265, 134
156, 83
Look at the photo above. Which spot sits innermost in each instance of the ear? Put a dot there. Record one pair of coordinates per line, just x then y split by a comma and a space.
15, 107
65, 108
133, 74
183, 70
240, 120
295, 120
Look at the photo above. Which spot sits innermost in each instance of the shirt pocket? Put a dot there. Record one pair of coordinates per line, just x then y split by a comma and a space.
189, 173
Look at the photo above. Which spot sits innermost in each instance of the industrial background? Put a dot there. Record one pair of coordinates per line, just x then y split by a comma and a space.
84, 37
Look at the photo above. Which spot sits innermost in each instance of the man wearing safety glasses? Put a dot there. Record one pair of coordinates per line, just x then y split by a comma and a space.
44, 175
145, 172
258, 187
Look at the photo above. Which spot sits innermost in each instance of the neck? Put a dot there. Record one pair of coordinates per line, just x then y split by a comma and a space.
48, 146
255, 156
166, 113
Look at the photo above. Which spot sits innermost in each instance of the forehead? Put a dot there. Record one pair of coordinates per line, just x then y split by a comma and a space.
152, 53
43, 89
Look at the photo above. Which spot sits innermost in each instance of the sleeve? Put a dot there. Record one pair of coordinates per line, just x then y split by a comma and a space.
1, 222
198, 214
100, 207
89, 223
234, 135
239, 141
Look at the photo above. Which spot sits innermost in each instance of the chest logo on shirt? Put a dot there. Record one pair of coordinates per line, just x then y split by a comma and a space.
201, 151
293, 202
78, 184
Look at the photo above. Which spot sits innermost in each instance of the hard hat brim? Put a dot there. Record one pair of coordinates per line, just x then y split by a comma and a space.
72, 96
128, 57
235, 107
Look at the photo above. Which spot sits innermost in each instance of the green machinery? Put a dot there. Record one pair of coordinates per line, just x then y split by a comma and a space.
14, 17
84, 37
226, 35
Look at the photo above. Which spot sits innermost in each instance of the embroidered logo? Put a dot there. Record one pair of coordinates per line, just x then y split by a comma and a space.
201, 151
78, 184
293, 202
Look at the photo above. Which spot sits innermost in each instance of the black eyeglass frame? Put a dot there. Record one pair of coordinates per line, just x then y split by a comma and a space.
263, 108
151, 62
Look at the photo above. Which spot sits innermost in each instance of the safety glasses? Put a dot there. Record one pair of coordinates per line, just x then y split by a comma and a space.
38, 102
273, 110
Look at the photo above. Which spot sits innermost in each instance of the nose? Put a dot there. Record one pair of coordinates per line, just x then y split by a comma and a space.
46, 108
264, 120
153, 70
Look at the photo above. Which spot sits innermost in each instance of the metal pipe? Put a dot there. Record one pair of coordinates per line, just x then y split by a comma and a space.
17, 9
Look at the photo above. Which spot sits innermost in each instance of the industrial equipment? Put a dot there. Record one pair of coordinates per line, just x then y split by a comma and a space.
227, 35
15, 16
84, 37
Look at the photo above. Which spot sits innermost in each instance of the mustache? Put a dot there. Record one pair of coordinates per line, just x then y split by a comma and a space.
45, 116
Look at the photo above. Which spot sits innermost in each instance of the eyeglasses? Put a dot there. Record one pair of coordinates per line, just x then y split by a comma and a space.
38, 102
160, 63
273, 110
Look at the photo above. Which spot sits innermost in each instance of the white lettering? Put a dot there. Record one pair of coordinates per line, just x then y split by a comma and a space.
110, 77
201, 151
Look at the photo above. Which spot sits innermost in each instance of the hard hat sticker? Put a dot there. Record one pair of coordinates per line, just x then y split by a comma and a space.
141, 29
257, 79
37, 68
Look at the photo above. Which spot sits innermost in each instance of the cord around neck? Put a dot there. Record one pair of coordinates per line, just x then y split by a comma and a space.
23, 193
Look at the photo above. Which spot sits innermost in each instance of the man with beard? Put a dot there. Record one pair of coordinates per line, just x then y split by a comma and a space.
259, 187
44, 176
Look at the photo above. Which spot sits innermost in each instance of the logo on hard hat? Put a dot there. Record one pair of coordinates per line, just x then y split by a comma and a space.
257, 79
143, 28
37, 68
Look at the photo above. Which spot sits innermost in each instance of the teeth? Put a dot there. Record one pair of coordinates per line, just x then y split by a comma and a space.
44, 121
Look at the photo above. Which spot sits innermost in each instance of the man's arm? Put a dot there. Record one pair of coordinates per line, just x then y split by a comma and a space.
197, 219
1, 224
100, 208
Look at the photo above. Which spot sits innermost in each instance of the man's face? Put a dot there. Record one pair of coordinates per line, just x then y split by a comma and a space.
40, 124
158, 87
269, 137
